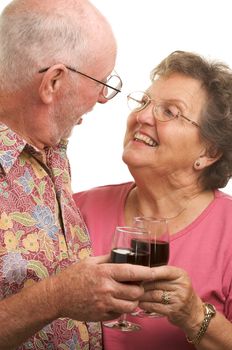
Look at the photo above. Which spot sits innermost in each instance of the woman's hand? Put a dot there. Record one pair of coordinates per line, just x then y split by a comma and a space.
172, 294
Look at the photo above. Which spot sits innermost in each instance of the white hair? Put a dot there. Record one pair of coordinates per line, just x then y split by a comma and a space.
35, 37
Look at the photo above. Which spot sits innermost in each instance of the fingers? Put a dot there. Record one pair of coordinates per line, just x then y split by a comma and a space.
87, 290
167, 272
97, 289
154, 296
127, 291
155, 307
157, 301
171, 294
123, 306
99, 259
124, 272
131, 273
160, 285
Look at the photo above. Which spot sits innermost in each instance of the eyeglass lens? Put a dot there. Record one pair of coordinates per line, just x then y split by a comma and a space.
163, 112
137, 100
116, 83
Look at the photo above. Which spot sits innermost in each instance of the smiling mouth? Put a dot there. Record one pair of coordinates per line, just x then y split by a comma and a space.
145, 139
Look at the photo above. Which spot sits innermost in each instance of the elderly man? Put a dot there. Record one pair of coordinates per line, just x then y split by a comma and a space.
56, 58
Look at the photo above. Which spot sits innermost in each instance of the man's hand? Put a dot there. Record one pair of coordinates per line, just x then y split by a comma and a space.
94, 290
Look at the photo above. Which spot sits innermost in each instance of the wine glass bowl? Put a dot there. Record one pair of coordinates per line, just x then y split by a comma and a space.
129, 246
159, 247
134, 247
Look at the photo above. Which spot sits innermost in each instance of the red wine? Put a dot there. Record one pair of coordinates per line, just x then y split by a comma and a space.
129, 256
159, 254
159, 251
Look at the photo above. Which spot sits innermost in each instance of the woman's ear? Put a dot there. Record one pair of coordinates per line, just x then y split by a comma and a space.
207, 158
52, 82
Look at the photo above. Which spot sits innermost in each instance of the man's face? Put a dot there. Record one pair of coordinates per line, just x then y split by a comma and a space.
83, 93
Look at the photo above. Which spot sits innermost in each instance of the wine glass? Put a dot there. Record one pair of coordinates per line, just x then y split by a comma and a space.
130, 245
159, 247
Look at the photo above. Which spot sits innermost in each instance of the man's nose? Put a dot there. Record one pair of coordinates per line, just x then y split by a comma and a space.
102, 99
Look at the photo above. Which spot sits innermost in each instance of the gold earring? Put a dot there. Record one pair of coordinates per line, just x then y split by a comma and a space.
197, 163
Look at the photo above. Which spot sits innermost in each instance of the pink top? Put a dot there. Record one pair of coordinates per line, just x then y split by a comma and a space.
203, 249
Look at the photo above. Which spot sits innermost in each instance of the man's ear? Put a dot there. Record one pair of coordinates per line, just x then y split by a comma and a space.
51, 82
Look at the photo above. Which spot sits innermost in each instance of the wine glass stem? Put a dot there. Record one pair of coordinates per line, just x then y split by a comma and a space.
122, 320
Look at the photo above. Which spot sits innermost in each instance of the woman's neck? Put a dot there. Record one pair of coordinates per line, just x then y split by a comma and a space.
180, 206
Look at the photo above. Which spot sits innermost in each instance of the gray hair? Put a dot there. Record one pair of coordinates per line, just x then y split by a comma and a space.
34, 37
216, 116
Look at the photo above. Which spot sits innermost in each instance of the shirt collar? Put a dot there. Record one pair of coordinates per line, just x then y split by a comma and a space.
12, 145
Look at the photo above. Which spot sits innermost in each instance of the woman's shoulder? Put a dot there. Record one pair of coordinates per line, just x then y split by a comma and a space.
223, 198
105, 192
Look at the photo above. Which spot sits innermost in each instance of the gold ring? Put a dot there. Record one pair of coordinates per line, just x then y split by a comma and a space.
165, 299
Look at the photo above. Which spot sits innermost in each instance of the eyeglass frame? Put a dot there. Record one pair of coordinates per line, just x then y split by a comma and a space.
43, 70
162, 121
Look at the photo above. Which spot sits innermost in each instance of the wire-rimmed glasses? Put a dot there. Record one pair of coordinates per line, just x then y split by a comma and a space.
111, 87
164, 112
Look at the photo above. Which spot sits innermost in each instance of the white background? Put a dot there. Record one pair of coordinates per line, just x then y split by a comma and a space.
146, 32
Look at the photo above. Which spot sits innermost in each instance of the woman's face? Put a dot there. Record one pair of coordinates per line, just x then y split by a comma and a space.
167, 147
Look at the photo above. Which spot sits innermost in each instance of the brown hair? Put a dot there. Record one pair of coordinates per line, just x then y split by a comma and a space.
216, 118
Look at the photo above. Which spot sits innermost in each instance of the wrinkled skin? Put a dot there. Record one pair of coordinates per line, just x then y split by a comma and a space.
185, 308
93, 289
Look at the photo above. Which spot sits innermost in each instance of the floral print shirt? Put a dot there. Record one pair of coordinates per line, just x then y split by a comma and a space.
41, 232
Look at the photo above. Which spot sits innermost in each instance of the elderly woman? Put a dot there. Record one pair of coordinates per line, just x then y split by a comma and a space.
178, 148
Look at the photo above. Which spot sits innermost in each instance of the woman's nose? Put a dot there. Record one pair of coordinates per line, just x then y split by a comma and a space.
145, 116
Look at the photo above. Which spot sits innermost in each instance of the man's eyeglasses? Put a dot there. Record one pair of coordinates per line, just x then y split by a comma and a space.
164, 112
111, 87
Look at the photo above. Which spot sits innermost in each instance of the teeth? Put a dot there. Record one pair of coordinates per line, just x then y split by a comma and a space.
146, 139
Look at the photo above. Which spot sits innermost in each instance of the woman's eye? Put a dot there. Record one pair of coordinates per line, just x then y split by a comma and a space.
168, 113
171, 111
143, 102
